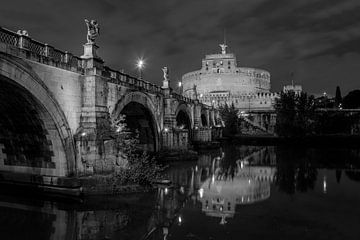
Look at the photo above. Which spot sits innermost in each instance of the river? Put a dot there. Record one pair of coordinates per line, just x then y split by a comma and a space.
248, 192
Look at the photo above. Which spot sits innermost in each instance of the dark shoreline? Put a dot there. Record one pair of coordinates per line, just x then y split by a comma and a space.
338, 140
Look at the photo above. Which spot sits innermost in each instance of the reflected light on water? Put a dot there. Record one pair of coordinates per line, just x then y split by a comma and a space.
179, 220
201, 192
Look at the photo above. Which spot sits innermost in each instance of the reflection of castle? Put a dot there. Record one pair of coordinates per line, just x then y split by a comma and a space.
220, 196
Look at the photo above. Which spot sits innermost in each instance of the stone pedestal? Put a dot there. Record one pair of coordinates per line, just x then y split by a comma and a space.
90, 51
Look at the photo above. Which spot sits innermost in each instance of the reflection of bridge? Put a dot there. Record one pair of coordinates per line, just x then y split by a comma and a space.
57, 110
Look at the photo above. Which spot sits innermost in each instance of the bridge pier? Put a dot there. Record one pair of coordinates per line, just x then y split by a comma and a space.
95, 126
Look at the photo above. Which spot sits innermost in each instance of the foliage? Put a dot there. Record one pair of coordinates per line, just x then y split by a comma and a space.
140, 168
295, 114
230, 118
352, 100
338, 98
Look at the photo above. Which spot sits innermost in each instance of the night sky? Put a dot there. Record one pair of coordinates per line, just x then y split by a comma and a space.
317, 40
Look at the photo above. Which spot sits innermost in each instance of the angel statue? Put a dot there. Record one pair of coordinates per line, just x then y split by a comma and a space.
93, 30
166, 73
223, 48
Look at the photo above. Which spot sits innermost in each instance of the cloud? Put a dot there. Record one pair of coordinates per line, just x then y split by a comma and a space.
278, 35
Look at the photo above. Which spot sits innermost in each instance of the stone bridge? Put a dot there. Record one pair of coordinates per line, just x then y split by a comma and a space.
57, 108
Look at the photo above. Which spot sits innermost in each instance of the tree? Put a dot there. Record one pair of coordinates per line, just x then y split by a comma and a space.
338, 98
294, 114
352, 100
230, 118
136, 166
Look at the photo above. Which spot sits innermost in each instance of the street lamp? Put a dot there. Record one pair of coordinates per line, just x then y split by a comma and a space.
179, 86
140, 65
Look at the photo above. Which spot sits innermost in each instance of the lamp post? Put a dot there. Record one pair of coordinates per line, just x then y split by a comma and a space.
140, 65
179, 87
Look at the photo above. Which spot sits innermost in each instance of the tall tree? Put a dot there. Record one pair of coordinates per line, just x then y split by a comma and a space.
294, 114
338, 98
230, 118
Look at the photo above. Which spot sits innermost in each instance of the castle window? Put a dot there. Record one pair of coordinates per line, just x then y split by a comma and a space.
228, 67
260, 102
229, 62
265, 102
218, 70
207, 68
207, 63
221, 62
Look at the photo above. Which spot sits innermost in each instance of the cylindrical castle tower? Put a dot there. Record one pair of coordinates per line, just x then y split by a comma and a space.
221, 81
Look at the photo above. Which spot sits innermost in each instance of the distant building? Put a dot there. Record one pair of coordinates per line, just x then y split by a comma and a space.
295, 88
221, 81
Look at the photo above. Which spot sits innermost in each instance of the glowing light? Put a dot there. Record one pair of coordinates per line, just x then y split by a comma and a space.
180, 220
140, 64
201, 192
166, 129
213, 178
201, 95
324, 185
179, 84
166, 191
182, 190
196, 168
83, 134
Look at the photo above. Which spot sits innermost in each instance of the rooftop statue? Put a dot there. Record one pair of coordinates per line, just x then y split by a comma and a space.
93, 30
166, 73
223, 48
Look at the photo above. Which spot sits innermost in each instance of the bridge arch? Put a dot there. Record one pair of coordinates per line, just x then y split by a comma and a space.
35, 136
183, 116
204, 118
140, 112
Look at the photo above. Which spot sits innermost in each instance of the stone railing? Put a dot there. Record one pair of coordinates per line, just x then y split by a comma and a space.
40, 51
181, 98
127, 80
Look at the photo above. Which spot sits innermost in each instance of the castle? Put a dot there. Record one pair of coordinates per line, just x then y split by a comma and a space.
221, 81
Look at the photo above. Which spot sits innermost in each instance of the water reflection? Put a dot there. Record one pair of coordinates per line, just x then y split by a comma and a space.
282, 189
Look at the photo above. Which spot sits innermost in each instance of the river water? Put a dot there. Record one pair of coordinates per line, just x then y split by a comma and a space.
236, 192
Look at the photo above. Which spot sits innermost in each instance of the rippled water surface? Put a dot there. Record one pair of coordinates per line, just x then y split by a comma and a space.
237, 192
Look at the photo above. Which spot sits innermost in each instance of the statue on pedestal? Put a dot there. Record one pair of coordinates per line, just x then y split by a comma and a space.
93, 30
166, 73
166, 77
223, 48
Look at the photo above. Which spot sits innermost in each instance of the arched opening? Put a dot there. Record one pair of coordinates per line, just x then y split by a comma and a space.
29, 137
138, 118
183, 120
203, 120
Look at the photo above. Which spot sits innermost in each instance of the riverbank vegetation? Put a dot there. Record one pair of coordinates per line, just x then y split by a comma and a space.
135, 166
297, 116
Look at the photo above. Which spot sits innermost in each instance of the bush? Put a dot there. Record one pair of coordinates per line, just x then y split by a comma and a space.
140, 168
